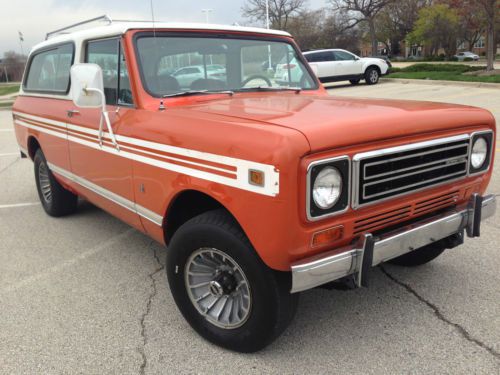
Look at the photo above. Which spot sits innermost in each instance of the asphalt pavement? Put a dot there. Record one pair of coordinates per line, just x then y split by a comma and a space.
87, 294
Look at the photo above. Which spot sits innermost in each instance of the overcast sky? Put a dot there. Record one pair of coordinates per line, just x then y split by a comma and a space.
35, 17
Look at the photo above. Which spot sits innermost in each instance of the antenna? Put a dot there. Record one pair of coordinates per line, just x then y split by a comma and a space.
153, 17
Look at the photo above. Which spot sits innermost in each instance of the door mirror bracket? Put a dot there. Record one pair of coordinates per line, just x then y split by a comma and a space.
87, 91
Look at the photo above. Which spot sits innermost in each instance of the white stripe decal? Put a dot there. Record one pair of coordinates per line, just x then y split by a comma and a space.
241, 180
115, 198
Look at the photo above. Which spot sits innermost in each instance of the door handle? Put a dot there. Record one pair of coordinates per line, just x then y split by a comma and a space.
72, 112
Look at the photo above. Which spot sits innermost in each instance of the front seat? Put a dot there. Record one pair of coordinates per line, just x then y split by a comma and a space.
208, 84
166, 84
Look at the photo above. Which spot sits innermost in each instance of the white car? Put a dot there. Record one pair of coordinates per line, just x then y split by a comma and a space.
461, 56
187, 75
288, 72
332, 65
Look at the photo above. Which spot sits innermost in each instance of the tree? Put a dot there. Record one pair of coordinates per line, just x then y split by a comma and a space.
356, 11
280, 11
396, 21
308, 28
472, 23
437, 26
491, 9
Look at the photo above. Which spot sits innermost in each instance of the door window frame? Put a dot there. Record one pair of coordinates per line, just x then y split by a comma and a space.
118, 38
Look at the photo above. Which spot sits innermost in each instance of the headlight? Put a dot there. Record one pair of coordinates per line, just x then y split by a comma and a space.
479, 153
327, 188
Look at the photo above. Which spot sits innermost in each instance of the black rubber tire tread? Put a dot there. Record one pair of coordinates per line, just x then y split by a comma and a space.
367, 75
273, 306
63, 201
419, 257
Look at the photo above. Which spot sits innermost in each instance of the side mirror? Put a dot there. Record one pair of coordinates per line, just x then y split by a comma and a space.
87, 91
87, 86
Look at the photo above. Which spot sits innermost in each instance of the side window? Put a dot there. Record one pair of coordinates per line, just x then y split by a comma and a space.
343, 56
49, 70
108, 55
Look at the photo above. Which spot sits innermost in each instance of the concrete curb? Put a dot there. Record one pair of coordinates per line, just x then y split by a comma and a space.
443, 83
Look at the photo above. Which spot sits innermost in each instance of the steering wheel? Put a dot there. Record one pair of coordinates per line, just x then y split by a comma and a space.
257, 76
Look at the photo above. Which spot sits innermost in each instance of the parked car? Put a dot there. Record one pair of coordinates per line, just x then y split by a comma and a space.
185, 76
260, 192
288, 69
461, 56
333, 65
386, 58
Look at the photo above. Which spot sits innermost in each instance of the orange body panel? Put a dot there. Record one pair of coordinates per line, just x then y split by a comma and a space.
285, 130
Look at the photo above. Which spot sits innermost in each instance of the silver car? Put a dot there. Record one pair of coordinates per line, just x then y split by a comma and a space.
461, 56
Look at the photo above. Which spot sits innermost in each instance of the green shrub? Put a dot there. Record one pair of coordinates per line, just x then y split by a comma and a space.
457, 68
468, 59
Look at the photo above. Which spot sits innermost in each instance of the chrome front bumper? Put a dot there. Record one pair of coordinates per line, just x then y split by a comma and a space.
370, 251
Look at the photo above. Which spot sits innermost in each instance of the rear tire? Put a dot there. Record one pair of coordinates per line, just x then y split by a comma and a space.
372, 76
420, 256
354, 81
222, 287
55, 199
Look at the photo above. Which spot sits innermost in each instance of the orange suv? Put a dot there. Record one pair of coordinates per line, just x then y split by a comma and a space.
260, 188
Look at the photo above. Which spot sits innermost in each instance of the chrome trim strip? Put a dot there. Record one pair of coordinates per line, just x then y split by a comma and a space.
415, 155
410, 146
308, 187
490, 156
415, 167
356, 161
320, 269
115, 198
412, 185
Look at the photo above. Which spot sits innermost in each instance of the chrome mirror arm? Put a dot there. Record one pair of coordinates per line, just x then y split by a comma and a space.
105, 117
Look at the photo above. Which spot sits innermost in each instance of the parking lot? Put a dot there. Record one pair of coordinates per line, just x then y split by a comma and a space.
87, 294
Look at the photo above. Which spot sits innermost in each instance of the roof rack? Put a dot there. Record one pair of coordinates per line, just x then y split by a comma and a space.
100, 18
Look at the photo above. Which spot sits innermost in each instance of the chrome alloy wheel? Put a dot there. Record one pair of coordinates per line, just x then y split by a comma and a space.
218, 288
373, 76
44, 180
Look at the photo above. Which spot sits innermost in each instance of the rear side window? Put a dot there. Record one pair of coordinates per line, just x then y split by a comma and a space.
48, 70
320, 56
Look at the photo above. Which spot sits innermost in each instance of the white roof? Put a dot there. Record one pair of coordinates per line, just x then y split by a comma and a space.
120, 27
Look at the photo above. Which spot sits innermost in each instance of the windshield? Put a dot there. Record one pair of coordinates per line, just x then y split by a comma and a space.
177, 64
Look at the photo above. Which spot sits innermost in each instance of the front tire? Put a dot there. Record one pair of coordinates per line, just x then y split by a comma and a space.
223, 289
420, 256
55, 199
372, 76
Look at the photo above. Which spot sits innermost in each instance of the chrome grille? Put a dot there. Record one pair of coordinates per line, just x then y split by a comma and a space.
387, 173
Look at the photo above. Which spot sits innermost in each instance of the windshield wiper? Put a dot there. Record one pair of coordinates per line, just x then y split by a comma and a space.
281, 88
197, 92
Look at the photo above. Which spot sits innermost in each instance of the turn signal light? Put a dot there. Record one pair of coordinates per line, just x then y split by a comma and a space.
327, 236
256, 177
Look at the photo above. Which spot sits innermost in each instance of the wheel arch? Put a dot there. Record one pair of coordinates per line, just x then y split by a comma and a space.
33, 146
187, 204
372, 65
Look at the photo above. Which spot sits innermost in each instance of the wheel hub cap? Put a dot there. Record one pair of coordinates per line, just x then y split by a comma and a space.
218, 288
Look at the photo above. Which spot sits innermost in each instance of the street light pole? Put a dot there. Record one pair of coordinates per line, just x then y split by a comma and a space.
267, 14
207, 12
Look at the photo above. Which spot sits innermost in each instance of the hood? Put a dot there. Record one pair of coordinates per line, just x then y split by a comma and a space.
329, 122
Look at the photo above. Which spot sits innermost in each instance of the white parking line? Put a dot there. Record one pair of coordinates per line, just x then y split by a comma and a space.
69, 263
19, 205
10, 154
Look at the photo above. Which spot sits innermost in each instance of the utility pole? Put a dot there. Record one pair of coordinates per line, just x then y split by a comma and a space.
267, 14
21, 40
207, 13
